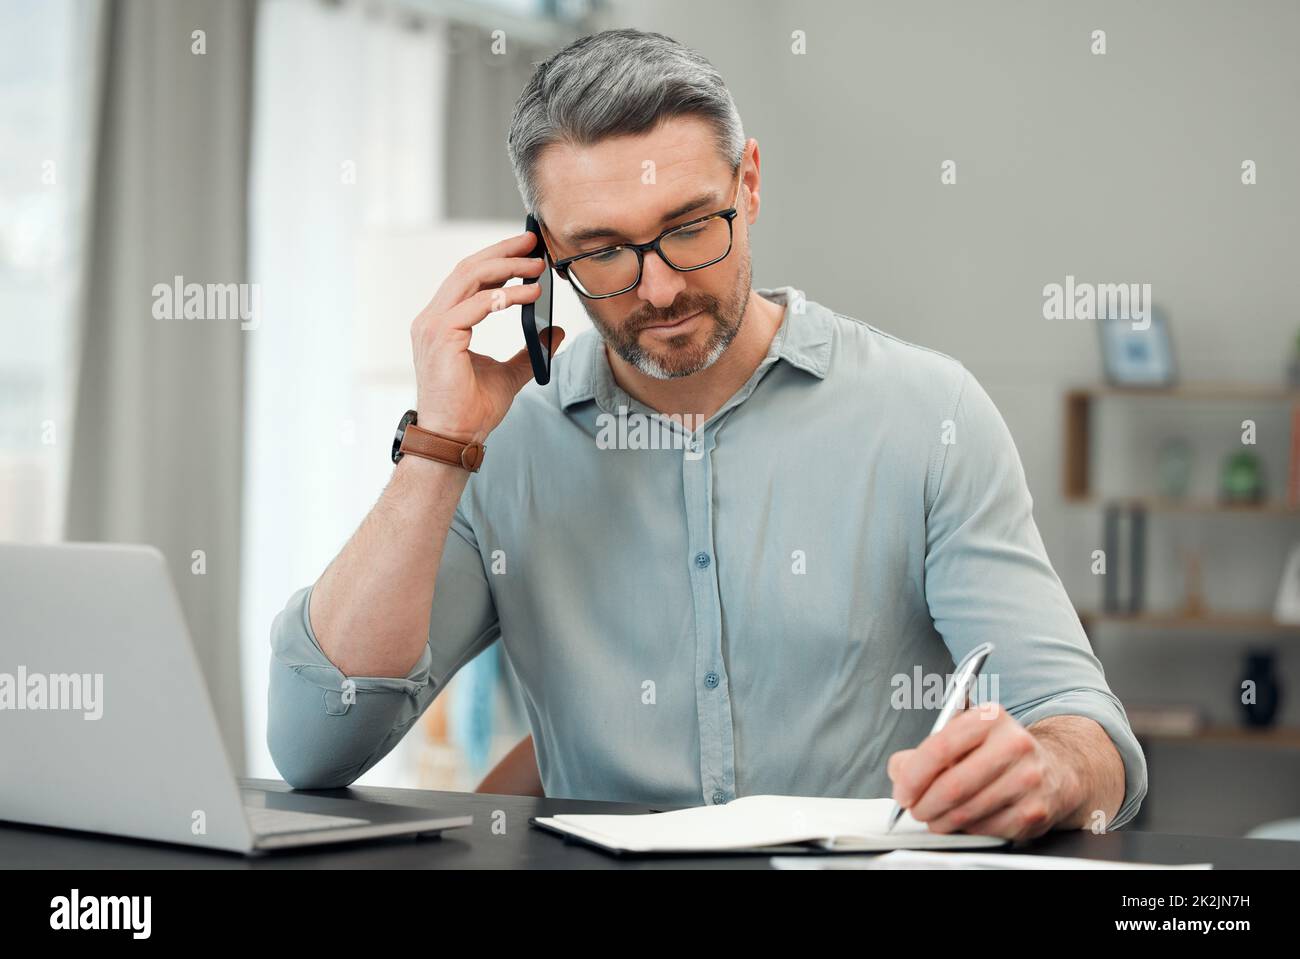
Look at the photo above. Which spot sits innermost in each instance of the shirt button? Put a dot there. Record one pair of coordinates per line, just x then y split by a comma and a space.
711, 680
719, 797
702, 560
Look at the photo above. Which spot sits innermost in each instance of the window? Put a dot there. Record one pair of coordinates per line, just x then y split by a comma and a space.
46, 54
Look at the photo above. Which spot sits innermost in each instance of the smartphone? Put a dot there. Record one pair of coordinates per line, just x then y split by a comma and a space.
537, 314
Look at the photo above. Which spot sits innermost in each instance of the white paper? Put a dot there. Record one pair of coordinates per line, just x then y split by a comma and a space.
754, 822
908, 859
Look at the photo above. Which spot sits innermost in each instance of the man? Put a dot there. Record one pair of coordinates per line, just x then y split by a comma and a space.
839, 512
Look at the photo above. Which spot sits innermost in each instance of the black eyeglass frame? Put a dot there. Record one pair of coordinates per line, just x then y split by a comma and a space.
641, 249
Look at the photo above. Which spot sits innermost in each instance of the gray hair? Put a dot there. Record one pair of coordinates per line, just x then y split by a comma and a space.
616, 83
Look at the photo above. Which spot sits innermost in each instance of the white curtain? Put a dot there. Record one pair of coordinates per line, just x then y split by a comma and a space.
156, 452
348, 121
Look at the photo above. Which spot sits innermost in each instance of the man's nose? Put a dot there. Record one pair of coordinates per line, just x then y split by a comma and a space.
660, 283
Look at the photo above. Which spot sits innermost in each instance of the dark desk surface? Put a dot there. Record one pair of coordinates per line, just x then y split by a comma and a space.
526, 847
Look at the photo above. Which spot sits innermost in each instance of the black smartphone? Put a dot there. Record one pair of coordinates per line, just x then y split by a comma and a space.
537, 314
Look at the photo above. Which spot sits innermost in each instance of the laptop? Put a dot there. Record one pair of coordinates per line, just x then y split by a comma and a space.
106, 725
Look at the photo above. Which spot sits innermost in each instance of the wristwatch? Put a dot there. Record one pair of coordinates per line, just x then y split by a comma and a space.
429, 445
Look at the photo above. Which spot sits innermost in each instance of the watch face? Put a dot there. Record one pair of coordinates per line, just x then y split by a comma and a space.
407, 419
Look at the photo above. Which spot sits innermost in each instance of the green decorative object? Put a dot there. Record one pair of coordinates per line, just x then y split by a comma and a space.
1175, 467
1242, 480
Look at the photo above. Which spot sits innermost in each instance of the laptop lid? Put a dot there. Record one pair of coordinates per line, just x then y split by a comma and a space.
105, 720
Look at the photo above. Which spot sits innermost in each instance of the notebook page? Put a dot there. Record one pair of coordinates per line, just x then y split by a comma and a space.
756, 821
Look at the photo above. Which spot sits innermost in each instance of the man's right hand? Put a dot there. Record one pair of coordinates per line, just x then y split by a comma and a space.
370, 610
461, 394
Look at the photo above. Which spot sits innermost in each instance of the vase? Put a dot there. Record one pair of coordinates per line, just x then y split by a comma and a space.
1268, 692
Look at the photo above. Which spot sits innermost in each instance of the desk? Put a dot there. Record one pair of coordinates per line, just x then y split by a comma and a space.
526, 847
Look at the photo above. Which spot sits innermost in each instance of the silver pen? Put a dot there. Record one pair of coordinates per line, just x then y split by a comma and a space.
963, 677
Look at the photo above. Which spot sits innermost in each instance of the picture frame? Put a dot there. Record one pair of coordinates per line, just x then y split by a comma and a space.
1286, 609
1137, 358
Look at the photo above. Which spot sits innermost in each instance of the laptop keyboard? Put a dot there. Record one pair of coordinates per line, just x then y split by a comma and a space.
270, 822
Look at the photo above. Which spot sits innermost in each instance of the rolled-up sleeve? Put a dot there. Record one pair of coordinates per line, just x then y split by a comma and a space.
325, 729
988, 579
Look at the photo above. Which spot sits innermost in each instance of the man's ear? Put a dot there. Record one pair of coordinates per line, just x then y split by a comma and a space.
751, 209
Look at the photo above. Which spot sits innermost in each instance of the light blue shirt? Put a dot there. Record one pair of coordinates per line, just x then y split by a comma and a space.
749, 615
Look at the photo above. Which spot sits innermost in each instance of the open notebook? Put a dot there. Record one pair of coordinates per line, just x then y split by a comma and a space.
759, 823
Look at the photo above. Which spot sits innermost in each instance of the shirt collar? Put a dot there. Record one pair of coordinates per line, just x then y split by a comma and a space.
803, 340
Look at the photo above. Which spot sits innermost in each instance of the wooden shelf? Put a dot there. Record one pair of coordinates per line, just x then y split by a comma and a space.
1079, 401
1228, 392
1246, 627
1210, 622
1165, 504
1276, 737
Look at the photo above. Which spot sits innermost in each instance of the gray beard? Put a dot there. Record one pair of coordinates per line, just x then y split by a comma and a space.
724, 331
648, 365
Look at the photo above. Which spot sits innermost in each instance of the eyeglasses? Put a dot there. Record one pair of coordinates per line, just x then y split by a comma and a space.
613, 270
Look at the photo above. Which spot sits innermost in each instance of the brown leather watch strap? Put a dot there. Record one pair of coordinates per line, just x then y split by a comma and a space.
421, 442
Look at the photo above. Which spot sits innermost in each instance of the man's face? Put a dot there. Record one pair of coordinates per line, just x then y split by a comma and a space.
629, 190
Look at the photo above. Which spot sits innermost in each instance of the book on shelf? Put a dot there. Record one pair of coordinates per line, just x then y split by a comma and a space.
1168, 720
1293, 473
